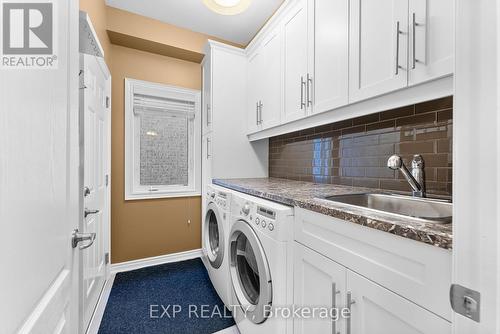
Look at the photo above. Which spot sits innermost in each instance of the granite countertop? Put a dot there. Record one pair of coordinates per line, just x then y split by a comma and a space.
311, 196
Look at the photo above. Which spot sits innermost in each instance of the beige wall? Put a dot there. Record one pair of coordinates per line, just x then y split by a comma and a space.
145, 228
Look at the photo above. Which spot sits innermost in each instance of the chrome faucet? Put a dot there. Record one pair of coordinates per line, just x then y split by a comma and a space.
416, 177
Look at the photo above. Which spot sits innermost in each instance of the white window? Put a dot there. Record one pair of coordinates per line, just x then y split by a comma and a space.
162, 141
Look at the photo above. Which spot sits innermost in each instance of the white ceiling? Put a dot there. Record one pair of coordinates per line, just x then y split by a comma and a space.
194, 15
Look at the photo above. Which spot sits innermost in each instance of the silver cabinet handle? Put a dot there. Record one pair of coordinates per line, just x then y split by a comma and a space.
309, 89
208, 148
397, 48
349, 303
209, 115
78, 237
89, 212
260, 111
302, 85
414, 43
257, 113
335, 292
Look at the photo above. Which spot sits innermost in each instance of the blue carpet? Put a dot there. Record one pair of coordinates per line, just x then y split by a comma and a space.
139, 299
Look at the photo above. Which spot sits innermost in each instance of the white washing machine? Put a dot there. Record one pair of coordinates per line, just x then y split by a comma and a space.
215, 233
260, 266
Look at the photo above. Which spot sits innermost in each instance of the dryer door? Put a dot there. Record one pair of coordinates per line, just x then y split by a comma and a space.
250, 274
214, 236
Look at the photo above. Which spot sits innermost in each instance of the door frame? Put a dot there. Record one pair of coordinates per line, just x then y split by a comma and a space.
107, 227
476, 157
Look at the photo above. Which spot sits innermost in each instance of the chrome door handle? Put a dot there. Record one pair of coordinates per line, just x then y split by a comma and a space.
397, 48
309, 88
302, 85
78, 237
349, 303
335, 292
90, 212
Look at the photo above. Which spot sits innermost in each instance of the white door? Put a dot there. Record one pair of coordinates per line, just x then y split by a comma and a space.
318, 282
295, 58
376, 310
254, 91
39, 189
432, 43
378, 47
476, 137
95, 104
329, 38
270, 112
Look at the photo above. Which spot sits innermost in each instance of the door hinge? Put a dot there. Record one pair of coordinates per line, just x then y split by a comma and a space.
108, 101
107, 180
465, 301
106, 258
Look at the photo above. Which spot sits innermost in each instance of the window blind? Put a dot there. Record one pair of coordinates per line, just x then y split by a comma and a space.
145, 103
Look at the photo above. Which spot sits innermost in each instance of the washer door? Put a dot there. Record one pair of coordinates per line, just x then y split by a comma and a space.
214, 236
250, 274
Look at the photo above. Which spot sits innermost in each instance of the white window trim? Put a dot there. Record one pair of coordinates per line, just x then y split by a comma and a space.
132, 87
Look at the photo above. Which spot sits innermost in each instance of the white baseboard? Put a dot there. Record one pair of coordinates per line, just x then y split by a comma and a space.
95, 322
154, 261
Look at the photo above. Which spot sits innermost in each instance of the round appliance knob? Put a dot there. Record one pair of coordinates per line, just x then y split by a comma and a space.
270, 226
246, 209
257, 221
263, 223
212, 194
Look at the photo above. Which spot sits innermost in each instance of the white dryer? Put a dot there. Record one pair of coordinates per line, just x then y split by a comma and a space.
215, 233
261, 264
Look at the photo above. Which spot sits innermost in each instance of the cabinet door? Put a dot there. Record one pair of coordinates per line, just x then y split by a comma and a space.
378, 49
207, 95
431, 40
254, 82
377, 310
318, 283
295, 58
271, 80
329, 37
206, 163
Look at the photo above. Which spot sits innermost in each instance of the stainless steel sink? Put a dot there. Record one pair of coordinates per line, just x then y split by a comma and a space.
429, 210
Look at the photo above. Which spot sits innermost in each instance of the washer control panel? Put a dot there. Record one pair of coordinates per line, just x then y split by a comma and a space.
275, 220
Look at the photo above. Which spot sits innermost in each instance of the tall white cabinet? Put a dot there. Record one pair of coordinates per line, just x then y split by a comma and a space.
226, 151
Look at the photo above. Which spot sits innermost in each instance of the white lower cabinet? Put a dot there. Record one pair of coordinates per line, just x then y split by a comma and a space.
376, 310
318, 282
322, 283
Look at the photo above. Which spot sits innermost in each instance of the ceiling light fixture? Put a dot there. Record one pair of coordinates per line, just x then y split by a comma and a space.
227, 7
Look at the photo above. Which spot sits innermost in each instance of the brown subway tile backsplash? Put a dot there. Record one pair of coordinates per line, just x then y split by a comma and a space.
355, 151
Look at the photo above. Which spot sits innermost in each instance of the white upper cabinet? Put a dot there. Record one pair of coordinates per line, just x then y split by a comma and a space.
295, 62
378, 47
318, 56
270, 81
254, 90
329, 38
431, 40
